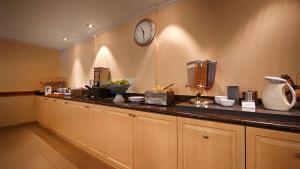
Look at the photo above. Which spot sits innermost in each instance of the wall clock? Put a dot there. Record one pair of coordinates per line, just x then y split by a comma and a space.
144, 32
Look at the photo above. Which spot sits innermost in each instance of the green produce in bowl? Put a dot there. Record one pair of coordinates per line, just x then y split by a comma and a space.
124, 81
117, 82
110, 82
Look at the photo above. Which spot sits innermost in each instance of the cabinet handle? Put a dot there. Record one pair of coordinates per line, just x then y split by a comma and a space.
205, 136
86, 106
297, 155
131, 115
66, 103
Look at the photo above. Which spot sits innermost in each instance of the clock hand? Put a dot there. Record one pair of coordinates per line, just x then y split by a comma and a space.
143, 33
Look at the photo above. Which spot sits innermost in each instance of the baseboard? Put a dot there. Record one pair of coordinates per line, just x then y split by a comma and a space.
18, 125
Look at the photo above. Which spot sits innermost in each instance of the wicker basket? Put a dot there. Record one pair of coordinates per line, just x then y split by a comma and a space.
55, 82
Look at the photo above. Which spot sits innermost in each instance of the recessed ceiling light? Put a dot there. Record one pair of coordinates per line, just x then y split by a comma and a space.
90, 25
65, 38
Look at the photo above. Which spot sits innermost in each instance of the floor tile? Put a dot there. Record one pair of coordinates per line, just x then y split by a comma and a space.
40, 163
20, 155
33, 147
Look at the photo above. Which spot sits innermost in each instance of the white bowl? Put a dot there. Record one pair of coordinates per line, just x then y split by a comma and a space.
136, 98
227, 102
218, 99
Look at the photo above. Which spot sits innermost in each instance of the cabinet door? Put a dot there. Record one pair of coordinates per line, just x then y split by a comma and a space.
269, 149
66, 119
42, 110
38, 108
45, 112
56, 108
155, 141
52, 113
80, 124
97, 130
210, 145
58, 123
120, 139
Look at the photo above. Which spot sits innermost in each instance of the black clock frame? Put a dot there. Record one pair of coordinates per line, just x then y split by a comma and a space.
148, 41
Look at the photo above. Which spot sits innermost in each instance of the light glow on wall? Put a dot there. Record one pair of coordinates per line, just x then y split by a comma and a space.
105, 58
77, 76
175, 36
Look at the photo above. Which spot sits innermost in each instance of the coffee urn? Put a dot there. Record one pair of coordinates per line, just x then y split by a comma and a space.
201, 76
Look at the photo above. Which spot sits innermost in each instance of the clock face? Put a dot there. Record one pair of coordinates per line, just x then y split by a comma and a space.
144, 32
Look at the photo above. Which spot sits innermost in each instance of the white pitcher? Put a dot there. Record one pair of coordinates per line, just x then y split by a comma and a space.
273, 96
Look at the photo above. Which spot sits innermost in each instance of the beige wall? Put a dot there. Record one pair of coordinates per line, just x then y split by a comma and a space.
249, 39
22, 66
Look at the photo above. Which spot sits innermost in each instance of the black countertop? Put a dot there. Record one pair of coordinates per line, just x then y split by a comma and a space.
259, 117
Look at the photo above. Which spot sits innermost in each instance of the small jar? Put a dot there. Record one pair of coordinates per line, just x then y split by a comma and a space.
250, 96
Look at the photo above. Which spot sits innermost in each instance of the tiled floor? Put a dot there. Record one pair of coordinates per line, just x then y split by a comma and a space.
32, 147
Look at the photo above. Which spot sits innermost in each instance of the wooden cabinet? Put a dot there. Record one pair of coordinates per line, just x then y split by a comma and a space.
57, 115
130, 139
141, 140
80, 123
97, 125
269, 149
66, 119
126, 139
120, 138
55, 110
210, 145
52, 113
155, 141
44, 112
38, 102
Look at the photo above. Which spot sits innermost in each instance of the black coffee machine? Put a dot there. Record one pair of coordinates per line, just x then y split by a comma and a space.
98, 92
97, 89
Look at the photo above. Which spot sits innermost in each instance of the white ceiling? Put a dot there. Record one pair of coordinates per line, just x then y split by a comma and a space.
45, 22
